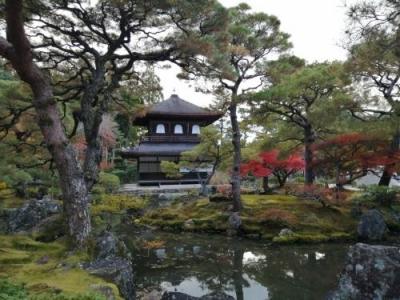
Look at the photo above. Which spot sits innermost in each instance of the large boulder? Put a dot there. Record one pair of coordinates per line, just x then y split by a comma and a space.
371, 272
31, 214
108, 245
235, 221
372, 226
113, 262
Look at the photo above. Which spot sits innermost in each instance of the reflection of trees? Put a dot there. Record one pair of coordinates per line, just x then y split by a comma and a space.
238, 273
311, 279
218, 266
212, 267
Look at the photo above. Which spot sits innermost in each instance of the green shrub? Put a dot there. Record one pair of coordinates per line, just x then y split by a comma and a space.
109, 182
119, 173
127, 173
380, 194
10, 291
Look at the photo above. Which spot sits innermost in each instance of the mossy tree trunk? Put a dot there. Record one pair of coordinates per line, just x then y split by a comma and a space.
17, 50
388, 170
309, 139
265, 184
235, 177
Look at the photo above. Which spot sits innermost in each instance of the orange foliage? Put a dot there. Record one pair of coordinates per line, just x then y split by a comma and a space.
156, 244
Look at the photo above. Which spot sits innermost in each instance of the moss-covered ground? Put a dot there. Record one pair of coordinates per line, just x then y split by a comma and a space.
263, 217
51, 270
48, 270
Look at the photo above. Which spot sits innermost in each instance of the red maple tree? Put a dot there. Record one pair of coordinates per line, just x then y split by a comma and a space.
350, 156
268, 163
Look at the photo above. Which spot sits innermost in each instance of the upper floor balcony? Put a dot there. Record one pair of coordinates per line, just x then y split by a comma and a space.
170, 139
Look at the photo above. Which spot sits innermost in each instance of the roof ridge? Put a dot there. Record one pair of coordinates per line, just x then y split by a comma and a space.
179, 98
175, 104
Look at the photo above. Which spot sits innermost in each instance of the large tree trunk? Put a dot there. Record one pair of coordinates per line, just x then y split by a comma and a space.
75, 196
265, 184
92, 117
338, 181
213, 170
237, 159
309, 139
92, 161
281, 180
388, 170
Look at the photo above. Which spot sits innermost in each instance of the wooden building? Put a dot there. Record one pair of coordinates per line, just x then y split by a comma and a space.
173, 126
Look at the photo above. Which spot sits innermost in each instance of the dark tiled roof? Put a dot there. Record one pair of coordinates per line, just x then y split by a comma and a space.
176, 105
157, 149
177, 108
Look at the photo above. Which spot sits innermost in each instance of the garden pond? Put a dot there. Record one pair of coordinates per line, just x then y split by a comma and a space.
200, 264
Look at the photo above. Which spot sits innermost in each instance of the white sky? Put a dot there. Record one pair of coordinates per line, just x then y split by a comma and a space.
316, 28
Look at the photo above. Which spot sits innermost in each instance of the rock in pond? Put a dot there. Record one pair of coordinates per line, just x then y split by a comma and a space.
372, 226
112, 262
183, 296
235, 221
31, 214
188, 224
371, 272
285, 232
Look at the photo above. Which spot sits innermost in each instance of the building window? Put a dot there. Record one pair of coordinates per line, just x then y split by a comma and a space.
196, 129
178, 129
160, 129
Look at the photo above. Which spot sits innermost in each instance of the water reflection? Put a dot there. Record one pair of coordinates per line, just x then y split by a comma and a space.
199, 265
319, 255
250, 257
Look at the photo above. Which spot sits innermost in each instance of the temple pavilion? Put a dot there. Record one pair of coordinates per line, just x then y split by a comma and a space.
173, 126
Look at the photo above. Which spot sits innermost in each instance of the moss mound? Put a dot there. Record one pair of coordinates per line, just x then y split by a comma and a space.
262, 215
47, 270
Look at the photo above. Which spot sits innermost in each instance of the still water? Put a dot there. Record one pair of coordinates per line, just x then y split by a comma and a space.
200, 265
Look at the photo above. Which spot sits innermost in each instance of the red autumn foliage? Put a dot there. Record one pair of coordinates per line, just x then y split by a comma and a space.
350, 156
269, 163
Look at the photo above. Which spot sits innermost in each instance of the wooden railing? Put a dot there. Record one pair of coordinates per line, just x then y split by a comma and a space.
171, 138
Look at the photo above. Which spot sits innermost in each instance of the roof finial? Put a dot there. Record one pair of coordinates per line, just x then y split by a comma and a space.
174, 92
